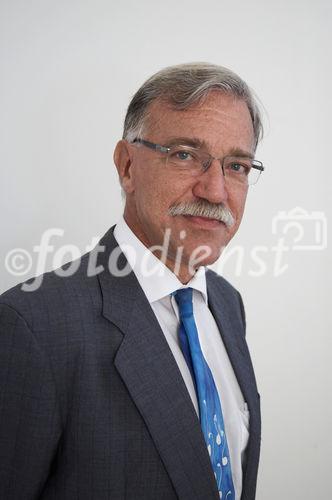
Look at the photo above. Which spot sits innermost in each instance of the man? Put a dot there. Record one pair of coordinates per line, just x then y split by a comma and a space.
134, 381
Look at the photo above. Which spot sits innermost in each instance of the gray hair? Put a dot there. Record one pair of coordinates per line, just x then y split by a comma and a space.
184, 85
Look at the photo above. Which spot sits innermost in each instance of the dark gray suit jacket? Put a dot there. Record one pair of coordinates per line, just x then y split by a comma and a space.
92, 403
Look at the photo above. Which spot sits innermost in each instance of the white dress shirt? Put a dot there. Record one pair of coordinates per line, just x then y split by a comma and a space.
158, 282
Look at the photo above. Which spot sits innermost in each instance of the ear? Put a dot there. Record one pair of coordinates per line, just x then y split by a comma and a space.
123, 159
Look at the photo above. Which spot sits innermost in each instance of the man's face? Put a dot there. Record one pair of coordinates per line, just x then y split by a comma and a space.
222, 124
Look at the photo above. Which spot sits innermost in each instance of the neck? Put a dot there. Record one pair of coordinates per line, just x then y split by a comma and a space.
182, 269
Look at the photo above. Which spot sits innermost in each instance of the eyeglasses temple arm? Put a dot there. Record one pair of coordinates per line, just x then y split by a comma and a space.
151, 145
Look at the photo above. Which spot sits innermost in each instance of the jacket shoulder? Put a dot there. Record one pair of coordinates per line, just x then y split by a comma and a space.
215, 280
52, 294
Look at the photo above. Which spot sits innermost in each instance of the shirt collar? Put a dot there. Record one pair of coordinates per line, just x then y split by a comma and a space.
156, 279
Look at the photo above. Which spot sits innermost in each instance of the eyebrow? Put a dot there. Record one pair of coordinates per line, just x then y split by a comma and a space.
186, 141
195, 142
240, 152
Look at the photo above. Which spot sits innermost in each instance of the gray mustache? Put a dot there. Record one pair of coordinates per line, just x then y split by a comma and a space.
203, 208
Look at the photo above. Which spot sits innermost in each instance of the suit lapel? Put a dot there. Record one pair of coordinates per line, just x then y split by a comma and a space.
231, 328
152, 377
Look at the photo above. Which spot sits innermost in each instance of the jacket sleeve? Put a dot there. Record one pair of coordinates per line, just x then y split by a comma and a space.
30, 423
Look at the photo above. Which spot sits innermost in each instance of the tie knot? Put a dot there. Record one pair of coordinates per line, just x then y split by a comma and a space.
184, 300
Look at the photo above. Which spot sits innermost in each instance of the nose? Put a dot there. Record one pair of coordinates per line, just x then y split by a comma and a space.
211, 185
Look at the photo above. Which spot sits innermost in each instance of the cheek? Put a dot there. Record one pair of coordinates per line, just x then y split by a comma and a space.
236, 201
151, 198
160, 191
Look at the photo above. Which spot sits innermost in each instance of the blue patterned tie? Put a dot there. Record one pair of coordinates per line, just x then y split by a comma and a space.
210, 412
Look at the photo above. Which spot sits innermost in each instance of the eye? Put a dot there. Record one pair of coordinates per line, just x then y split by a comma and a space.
185, 158
182, 155
238, 167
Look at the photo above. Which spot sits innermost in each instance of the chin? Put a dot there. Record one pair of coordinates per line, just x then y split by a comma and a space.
206, 257
210, 260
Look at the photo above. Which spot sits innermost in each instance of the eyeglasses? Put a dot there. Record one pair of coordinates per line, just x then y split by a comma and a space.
194, 161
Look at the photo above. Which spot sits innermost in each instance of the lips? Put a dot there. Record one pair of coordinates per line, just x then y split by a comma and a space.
204, 222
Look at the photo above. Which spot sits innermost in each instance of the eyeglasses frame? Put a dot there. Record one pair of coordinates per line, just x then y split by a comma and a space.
167, 149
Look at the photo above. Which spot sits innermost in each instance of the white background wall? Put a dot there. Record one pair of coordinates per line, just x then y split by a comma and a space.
68, 69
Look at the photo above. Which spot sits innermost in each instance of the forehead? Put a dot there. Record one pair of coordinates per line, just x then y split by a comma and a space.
217, 120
